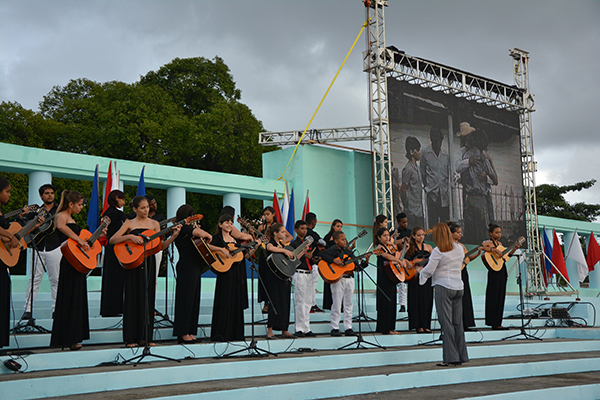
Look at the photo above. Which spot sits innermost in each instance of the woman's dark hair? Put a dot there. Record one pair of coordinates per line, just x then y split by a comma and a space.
378, 220
412, 243
334, 223
3, 183
113, 196
269, 208
184, 211
276, 227
67, 197
492, 228
135, 202
377, 236
223, 218
453, 226
228, 210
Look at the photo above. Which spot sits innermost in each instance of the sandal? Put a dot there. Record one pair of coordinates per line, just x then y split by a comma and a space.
130, 344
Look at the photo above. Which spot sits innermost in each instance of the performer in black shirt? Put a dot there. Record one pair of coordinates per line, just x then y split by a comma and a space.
111, 300
47, 243
311, 222
342, 290
336, 226
420, 297
303, 284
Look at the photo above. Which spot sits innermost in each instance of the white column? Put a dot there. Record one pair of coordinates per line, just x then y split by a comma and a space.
175, 199
571, 265
233, 200
595, 274
37, 179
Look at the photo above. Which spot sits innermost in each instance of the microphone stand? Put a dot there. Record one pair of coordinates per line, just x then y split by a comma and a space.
252, 348
164, 320
359, 338
147, 329
522, 304
29, 325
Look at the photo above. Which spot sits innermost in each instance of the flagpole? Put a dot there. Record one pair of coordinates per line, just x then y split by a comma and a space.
560, 273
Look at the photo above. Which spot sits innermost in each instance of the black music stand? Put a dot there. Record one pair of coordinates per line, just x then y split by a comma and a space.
29, 325
147, 329
252, 348
521, 305
359, 337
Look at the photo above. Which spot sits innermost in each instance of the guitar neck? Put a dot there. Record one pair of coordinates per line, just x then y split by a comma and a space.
351, 260
28, 227
166, 221
97, 233
471, 252
11, 214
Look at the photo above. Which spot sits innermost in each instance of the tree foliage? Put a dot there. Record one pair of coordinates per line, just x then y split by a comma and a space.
188, 114
552, 203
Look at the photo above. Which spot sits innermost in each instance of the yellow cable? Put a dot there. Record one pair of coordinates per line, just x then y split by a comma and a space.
323, 99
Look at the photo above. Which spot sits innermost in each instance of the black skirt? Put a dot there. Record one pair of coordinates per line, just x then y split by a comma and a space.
187, 298
231, 299
386, 300
71, 323
4, 305
111, 302
420, 304
137, 324
281, 292
467, 301
495, 294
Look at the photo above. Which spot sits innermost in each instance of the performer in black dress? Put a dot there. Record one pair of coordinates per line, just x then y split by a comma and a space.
280, 290
135, 328
231, 289
467, 300
111, 300
386, 306
190, 267
5, 287
495, 292
420, 297
71, 323
336, 226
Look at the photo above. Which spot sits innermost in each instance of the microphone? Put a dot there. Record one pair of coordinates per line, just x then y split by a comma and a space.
146, 238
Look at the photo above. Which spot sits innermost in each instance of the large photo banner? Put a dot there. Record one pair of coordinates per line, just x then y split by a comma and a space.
455, 160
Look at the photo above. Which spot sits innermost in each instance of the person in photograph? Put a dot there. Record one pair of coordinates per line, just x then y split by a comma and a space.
411, 190
435, 172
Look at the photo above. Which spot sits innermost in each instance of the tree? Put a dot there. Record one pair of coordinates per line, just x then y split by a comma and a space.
552, 203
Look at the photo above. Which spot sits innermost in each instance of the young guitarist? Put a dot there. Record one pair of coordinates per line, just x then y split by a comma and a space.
279, 289
71, 324
311, 222
467, 300
336, 226
398, 235
342, 290
303, 284
495, 292
420, 297
189, 273
134, 281
48, 253
231, 290
386, 295
9, 240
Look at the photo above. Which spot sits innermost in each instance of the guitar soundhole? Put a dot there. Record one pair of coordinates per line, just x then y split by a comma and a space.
128, 249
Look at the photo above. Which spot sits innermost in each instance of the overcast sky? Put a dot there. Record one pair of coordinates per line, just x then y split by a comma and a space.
284, 54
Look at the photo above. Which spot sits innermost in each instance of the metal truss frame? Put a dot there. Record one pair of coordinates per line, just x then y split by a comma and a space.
349, 134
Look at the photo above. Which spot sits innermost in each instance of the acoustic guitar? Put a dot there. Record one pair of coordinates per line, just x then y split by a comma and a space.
331, 272
40, 233
411, 272
165, 222
222, 265
131, 255
493, 261
395, 270
284, 267
9, 256
467, 260
82, 260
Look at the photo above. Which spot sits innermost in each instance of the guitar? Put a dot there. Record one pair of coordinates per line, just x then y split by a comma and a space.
411, 272
131, 255
395, 270
84, 260
9, 256
236, 254
283, 266
495, 262
40, 233
165, 222
360, 234
467, 260
14, 213
331, 272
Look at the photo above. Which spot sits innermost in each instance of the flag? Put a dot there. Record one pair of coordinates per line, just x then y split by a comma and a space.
558, 259
107, 187
289, 226
547, 252
306, 208
276, 207
285, 206
575, 253
593, 252
93, 216
141, 189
